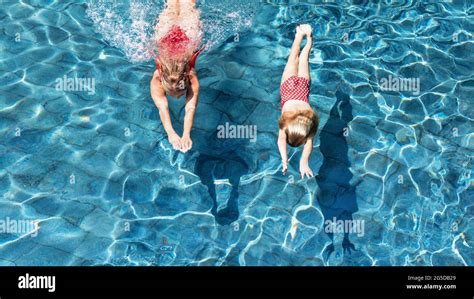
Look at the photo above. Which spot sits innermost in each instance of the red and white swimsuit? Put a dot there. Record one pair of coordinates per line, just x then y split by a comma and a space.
175, 44
294, 88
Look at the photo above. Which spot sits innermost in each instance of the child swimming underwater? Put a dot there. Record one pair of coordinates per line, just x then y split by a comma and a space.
178, 34
298, 123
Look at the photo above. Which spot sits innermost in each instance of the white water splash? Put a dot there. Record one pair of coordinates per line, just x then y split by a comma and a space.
224, 19
127, 26
130, 26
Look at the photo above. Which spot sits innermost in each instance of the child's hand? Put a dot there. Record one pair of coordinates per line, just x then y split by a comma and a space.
305, 170
186, 143
284, 167
175, 141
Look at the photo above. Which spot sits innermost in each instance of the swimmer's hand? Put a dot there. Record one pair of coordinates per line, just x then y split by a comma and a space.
175, 141
305, 170
186, 143
284, 167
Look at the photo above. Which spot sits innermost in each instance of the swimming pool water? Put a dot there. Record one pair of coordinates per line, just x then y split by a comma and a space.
97, 172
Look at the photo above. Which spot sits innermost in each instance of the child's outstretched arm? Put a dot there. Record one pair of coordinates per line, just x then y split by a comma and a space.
159, 97
282, 149
304, 167
190, 110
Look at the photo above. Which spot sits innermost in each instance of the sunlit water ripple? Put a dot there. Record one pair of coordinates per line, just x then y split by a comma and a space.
98, 172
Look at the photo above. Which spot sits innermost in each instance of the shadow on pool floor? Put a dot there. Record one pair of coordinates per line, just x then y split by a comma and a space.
336, 196
223, 164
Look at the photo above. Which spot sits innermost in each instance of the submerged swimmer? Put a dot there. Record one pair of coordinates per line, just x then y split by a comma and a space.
298, 123
178, 35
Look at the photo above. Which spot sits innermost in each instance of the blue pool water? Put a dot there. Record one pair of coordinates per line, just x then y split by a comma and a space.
98, 174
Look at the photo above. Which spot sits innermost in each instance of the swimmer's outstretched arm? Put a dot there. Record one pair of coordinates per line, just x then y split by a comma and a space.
282, 149
161, 102
190, 109
304, 167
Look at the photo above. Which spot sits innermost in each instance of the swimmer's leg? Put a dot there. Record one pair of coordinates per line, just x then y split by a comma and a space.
291, 68
180, 6
172, 5
190, 22
303, 64
167, 18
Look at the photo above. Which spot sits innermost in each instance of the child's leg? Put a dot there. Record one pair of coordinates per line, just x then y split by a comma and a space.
190, 22
173, 6
167, 18
291, 68
181, 6
188, 10
176, 9
303, 65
